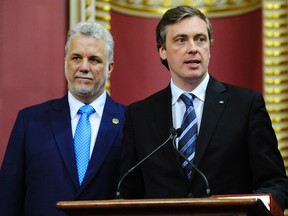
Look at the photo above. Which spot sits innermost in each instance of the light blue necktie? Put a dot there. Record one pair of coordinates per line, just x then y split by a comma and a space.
187, 140
82, 139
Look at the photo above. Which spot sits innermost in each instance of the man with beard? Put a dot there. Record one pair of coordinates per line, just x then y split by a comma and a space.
45, 161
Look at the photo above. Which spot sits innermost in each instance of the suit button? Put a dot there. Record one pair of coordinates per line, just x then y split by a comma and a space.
190, 195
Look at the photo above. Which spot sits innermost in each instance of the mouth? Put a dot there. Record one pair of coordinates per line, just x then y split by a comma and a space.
83, 78
193, 62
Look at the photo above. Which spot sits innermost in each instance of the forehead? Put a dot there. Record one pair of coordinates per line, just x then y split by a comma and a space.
82, 43
189, 25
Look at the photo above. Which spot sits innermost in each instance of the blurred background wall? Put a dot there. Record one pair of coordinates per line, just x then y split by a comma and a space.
32, 37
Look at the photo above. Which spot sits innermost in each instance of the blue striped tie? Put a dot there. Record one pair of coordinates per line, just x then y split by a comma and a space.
82, 139
187, 140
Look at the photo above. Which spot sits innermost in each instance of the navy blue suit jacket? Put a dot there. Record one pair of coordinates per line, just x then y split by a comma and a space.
39, 167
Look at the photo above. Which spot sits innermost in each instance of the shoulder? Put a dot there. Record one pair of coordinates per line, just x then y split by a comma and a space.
158, 98
58, 103
231, 90
114, 105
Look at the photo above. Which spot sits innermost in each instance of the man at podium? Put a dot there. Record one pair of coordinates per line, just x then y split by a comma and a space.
226, 142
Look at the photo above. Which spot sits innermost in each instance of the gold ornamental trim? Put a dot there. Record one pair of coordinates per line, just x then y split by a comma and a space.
275, 71
212, 10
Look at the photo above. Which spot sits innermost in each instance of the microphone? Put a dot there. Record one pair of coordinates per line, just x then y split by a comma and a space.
177, 132
174, 133
193, 165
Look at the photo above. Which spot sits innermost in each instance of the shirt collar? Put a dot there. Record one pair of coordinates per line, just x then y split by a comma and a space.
97, 104
199, 91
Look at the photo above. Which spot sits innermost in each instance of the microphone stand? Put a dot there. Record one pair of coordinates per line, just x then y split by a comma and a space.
173, 133
194, 167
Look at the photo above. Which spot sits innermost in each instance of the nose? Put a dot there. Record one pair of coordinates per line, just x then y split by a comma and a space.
84, 66
191, 46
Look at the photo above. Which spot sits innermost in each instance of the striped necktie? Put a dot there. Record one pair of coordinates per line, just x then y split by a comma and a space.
82, 139
187, 140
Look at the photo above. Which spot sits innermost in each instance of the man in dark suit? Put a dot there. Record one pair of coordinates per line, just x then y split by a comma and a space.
39, 168
235, 148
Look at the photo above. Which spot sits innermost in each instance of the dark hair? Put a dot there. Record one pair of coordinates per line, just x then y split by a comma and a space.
173, 16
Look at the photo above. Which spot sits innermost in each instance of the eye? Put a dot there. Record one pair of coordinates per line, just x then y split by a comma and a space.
201, 39
75, 58
95, 60
180, 40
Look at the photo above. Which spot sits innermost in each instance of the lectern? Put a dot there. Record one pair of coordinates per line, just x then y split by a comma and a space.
215, 206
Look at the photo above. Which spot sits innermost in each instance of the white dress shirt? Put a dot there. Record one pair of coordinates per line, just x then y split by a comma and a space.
178, 106
95, 118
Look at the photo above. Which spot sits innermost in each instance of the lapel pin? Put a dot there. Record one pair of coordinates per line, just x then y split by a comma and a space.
115, 121
221, 102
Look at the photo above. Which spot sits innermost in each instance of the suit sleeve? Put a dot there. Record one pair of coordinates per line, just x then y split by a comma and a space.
267, 164
12, 175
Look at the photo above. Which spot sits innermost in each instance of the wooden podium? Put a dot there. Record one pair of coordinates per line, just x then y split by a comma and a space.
217, 206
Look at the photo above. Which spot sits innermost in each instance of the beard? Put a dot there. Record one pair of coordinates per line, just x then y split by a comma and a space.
82, 89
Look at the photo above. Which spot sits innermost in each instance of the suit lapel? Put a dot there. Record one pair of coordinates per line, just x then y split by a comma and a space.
109, 129
163, 113
215, 102
61, 125
163, 117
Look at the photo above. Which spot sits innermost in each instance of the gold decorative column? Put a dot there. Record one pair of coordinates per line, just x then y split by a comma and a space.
276, 68
275, 22
90, 10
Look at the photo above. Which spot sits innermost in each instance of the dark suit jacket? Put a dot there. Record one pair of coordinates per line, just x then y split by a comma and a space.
236, 148
39, 167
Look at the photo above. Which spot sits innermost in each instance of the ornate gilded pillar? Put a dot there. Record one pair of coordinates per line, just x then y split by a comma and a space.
275, 22
276, 68
90, 10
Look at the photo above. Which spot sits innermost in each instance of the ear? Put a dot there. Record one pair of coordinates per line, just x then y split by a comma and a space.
110, 69
162, 53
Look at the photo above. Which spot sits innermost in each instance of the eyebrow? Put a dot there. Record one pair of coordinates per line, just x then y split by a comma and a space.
186, 35
181, 35
202, 34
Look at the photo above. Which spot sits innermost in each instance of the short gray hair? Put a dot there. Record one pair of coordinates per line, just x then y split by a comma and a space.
92, 29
